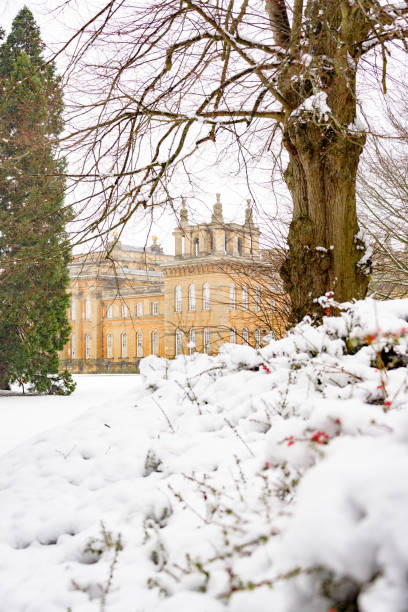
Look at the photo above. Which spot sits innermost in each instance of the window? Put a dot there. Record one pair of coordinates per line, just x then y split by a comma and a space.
257, 298
257, 336
232, 296
244, 297
155, 308
109, 312
211, 242
206, 296
207, 340
233, 335
87, 346
73, 346
139, 310
124, 311
245, 336
139, 344
225, 242
191, 298
124, 344
109, 346
192, 341
73, 309
179, 342
88, 308
195, 246
239, 246
155, 342
177, 301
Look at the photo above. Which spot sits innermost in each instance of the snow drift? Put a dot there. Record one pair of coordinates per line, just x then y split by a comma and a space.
260, 480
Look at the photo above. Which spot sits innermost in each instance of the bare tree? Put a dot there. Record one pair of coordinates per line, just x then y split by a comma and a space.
383, 199
163, 82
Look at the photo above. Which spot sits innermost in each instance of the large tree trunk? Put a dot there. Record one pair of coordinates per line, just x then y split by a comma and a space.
318, 83
324, 248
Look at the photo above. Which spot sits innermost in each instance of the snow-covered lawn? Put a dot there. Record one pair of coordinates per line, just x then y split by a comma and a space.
254, 481
23, 416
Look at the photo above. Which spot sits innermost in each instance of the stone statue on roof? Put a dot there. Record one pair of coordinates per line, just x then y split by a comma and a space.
249, 214
217, 211
183, 212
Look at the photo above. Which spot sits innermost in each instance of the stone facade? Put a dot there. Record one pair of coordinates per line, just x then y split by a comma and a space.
129, 302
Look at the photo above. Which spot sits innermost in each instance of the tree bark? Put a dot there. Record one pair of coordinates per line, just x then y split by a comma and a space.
324, 248
319, 83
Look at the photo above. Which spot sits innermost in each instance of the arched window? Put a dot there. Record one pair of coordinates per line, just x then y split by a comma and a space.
191, 298
177, 295
179, 342
124, 344
245, 336
257, 336
88, 308
206, 296
155, 342
195, 246
239, 246
87, 346
109, 345
257, 298
73, 346
124, 311
139, 344
207, 340
109, 312
192, 341
244, 297
73, 309
233, 335
232, 296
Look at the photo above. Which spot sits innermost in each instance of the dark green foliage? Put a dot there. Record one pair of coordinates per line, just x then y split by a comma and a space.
34, 251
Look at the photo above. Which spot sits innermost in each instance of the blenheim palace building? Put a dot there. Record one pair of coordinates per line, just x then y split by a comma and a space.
129, 302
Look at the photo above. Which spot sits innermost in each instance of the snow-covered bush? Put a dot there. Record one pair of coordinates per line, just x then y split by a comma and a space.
260, 480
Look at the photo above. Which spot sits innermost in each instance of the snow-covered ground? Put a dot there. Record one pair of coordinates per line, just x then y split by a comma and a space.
23, 416
247, 482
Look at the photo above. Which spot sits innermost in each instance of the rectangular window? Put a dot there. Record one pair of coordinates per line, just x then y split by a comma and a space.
178, 297
73, 309
155, 308
139, 343
124, 344
232, 296
257, 299
139, 311
206, 296
109, 312
179, 342
244, 297
207, 340
109, 346
87, 346
124, 311
73, 346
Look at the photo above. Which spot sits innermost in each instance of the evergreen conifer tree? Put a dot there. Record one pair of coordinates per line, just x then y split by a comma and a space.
34, 250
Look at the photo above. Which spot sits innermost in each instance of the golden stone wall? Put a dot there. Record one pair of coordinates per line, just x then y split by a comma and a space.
134, 292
